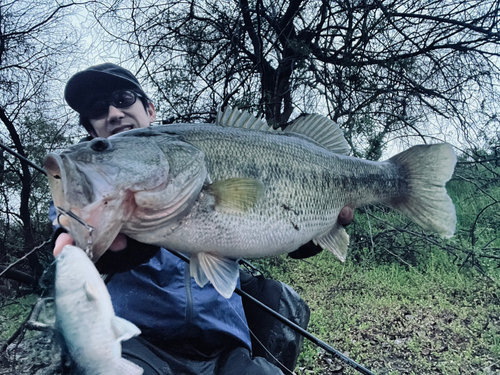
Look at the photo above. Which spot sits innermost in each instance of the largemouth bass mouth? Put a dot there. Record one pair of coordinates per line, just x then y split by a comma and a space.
238, 188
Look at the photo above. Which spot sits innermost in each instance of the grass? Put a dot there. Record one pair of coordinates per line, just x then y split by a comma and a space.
396, 319
13, 312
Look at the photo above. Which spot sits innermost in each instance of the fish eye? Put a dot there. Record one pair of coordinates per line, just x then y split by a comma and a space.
100, 144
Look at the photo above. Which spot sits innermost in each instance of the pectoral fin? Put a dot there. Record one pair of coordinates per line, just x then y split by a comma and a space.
123, 329
336, 241
237, 194
222, 272
90, 292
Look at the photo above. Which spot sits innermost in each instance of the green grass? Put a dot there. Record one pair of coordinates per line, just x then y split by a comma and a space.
396, 319
405, 301
13, 312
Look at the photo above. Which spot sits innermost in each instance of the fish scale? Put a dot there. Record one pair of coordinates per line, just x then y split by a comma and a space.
222, 191
318, 177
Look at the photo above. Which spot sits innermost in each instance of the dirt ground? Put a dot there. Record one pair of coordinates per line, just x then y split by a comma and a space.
37, 353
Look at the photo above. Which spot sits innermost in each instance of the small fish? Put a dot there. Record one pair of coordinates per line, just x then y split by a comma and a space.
86, 319
238, 188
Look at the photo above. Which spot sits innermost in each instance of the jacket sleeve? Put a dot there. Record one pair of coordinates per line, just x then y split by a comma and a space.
305, 251
134, 254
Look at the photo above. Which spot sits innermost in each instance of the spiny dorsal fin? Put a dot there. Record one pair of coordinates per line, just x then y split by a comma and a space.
322, 130
234, 118
237, 194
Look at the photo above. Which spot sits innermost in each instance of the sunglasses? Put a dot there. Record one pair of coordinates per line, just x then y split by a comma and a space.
119, 99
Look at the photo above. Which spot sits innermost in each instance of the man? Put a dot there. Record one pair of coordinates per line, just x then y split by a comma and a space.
185, 329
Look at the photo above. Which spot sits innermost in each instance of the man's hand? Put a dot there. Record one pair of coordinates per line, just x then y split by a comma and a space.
119, 243
64, 239
346, 216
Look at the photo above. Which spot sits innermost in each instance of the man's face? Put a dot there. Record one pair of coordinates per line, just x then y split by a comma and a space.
118, 119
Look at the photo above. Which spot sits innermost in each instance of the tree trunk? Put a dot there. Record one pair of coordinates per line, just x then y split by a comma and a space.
24, 211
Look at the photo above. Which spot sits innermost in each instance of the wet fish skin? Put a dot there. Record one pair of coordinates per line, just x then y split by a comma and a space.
86, 319
223, 192
105, 197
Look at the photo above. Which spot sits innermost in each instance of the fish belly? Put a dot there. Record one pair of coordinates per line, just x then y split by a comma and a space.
234, 237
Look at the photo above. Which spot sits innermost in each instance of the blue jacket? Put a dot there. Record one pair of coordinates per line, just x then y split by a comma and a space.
164, 301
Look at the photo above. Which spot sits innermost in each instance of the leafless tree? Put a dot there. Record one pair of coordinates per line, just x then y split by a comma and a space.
382, 69
413, 71
33, 45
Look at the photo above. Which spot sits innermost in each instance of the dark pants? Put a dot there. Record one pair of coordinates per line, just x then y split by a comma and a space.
155, 361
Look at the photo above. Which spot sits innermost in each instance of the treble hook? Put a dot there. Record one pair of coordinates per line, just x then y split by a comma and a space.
88, 249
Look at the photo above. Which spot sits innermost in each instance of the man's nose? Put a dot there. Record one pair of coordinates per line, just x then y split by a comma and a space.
115, 113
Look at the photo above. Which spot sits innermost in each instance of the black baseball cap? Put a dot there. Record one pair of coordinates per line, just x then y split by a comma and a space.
98, 81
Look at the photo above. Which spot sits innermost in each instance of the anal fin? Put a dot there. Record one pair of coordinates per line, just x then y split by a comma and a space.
335, 241
222, 272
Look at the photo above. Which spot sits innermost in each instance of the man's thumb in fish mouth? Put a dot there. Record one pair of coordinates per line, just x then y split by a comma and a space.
62, 240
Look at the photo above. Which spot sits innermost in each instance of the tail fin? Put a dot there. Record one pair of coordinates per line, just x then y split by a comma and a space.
428, 168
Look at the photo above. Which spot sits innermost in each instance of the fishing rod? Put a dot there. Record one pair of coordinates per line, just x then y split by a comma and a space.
19, 156
295, 327
278, 316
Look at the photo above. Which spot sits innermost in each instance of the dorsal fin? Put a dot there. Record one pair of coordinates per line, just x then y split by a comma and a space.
322, 130
234, 118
